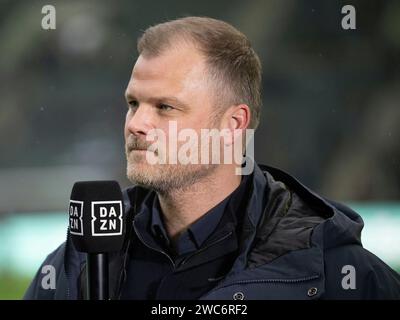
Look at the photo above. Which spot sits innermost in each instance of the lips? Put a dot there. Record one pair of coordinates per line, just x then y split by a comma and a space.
130, 148
137, 149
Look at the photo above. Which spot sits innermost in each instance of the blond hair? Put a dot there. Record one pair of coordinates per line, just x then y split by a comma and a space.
231, 61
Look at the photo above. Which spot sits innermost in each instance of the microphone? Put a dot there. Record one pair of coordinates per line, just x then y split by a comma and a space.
96, 226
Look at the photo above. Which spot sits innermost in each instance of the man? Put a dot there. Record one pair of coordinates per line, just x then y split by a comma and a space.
198, 230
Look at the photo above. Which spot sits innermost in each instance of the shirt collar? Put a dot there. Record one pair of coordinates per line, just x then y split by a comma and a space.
191, 239
194, 237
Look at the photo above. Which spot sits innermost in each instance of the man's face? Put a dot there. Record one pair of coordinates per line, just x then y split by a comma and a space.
170, 87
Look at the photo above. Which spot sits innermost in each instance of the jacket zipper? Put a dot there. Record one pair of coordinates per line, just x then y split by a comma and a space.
152, 248
65, 264
187, 258
305, 279
205, 248
122, 277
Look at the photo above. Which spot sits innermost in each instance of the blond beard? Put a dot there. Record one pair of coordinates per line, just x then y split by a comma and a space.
165, 178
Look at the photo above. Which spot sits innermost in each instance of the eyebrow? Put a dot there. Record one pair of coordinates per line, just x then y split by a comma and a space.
165, 99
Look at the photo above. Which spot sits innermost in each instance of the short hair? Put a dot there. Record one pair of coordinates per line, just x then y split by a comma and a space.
230, 59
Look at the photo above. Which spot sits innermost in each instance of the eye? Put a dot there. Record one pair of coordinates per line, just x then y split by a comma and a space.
164, 107
133, 104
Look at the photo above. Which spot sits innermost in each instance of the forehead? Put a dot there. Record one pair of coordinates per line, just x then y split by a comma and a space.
177, 69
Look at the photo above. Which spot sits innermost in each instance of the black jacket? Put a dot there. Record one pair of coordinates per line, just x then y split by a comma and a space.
291, 244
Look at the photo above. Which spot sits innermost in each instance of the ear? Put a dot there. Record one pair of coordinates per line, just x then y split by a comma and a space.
236, 120
240, 118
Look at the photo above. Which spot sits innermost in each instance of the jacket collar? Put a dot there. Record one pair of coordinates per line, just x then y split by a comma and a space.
274, 197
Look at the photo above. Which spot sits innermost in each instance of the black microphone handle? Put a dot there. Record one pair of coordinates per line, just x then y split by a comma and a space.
97, 276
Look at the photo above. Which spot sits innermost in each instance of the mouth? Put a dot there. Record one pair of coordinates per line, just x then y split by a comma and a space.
132, 148
140, 150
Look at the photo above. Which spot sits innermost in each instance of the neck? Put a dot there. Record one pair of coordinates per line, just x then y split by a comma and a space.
181, 208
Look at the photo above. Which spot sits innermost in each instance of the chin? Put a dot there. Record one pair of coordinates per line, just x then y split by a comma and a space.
140, 173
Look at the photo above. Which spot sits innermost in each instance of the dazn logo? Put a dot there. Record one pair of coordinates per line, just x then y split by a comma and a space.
106, 218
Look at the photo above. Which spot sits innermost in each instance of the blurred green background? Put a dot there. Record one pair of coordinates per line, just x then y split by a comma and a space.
331, 111
27, 238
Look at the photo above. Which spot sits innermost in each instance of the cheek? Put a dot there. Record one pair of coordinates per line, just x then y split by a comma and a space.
203, 117
202, 122
197, 119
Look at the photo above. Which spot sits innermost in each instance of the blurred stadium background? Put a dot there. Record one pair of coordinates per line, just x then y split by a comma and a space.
331, 113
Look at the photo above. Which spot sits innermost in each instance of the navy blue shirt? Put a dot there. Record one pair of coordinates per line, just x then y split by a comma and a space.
192, 238
199, 258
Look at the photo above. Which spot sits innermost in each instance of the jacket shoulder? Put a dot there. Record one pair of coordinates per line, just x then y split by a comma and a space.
49, 278
352, 272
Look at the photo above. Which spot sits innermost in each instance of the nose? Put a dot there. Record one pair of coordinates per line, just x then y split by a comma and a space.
140, 120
